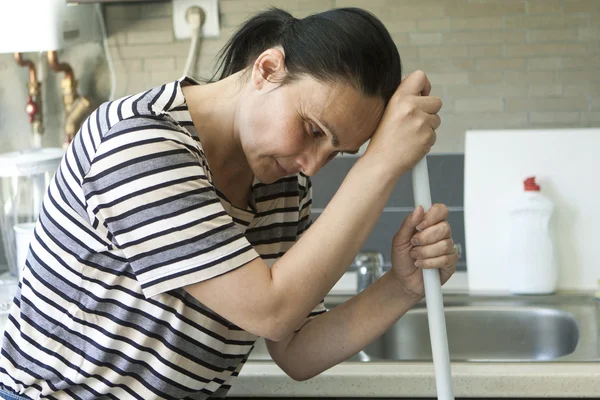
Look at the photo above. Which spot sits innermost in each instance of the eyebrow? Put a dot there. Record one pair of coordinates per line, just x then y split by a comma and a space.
335, 141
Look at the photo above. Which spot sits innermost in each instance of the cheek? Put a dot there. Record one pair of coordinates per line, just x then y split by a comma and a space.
274, 132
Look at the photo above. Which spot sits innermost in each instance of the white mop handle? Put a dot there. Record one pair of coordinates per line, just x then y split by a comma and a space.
433, 296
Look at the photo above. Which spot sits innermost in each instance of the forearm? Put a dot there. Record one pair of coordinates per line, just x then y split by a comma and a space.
343, 331
274, 302
308, 271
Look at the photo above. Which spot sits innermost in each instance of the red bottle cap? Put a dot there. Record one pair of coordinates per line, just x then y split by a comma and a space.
530, 184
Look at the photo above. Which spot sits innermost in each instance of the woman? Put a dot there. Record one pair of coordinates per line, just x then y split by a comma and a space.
176, 229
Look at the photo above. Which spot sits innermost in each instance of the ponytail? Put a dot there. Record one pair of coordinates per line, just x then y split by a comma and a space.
349, 45
261, 32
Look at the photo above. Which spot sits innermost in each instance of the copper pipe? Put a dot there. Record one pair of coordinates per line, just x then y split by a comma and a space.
77, 108
79, 111
68, 84
58, 66
29, 64
33, 107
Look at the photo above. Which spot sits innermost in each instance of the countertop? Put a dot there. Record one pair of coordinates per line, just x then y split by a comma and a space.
570, 377
415, 379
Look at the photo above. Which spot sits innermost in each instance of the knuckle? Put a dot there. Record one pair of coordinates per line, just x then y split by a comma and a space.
449, 260
447, 228
417, 254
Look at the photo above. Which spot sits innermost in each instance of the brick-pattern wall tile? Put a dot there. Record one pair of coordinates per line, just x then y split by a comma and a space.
552, 35
417, 39
526, 21
501, 64
544, 63
435, 25
477, 105
443, 52
591, 117
543, 6
546, 89
476, 24
554, 118
493, 8
496, 63
589, 34
483, 51
477, 37
546, 103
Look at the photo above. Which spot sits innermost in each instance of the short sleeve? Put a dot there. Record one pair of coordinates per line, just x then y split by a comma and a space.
147, 185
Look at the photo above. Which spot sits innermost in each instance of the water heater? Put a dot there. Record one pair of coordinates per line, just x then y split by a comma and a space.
43, 25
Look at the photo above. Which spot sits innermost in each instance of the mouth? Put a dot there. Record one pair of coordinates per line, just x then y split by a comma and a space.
282, 170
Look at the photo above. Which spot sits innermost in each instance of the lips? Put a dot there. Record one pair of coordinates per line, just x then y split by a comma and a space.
284, 171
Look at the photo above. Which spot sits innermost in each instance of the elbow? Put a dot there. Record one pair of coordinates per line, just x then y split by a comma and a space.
279, 322
277, 328
299, 376
297, 372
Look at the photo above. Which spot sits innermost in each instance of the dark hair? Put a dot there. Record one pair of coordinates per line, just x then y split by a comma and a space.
344, 44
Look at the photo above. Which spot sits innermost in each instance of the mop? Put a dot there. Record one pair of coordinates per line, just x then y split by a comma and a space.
433, 296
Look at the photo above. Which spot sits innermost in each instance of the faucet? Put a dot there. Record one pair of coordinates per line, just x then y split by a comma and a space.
369, 266
77, 107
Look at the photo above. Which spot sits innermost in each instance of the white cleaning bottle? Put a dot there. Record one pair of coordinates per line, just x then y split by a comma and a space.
532, 260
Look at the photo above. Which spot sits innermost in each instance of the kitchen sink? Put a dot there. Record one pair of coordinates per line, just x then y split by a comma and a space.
548, 328
483, 333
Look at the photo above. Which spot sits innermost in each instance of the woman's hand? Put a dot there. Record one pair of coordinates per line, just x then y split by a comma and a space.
406, 131
423, 241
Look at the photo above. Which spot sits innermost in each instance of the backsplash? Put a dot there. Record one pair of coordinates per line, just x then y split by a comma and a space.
496, 64
446, 176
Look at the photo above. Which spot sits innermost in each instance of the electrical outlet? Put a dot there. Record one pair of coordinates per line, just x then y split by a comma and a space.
210, 28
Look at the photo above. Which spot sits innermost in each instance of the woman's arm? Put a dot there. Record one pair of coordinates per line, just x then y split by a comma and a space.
340, 333
343, 331
274, 302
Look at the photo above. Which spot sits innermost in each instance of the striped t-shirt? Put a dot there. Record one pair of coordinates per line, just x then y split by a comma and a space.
130, 218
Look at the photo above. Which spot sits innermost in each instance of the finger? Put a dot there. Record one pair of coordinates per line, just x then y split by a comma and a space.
441, 248
437, 213
429, 104
416, 84
433, 234
445, 262
434, 121
409, 226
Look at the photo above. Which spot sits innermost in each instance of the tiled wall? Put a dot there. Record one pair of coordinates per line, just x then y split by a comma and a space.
495, 63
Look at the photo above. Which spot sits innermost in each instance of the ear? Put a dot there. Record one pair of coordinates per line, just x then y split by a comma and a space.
269, 67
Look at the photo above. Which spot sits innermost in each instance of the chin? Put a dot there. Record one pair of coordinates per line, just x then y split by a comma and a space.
267, 178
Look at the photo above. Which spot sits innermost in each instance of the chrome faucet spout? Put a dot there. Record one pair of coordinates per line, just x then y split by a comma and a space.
369, 266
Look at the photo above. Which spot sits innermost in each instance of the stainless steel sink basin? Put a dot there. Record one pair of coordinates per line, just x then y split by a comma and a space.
483, 333
553, 328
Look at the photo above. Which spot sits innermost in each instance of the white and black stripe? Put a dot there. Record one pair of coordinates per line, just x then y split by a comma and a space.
130, 218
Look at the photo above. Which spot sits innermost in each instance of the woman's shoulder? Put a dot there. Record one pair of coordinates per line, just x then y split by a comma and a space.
150, 106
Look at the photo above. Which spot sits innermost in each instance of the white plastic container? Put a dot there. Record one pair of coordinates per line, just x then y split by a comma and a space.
24, 179
23, 236
531, 262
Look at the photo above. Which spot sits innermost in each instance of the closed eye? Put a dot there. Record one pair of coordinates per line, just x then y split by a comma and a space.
315, 131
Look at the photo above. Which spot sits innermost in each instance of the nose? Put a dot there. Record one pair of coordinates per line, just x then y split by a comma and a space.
311, 162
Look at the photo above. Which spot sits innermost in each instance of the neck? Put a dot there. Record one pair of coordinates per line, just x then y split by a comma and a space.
213, 108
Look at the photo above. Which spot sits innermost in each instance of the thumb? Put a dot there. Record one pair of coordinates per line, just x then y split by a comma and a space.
416, 84
409, 226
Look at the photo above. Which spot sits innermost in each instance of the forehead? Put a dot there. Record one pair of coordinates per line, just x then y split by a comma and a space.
351, 114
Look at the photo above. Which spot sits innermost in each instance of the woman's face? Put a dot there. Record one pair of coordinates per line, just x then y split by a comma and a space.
300, 126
